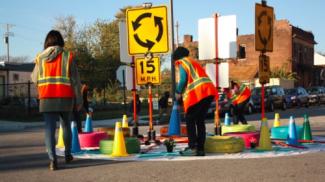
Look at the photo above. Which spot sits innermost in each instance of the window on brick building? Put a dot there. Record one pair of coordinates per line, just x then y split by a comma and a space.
16, 77
241, 52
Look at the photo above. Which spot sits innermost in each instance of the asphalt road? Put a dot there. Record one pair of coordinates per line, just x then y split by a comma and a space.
23, 158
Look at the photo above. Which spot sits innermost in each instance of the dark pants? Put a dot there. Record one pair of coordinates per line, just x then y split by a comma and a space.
77, 118
239, 111
195, 125
50, 119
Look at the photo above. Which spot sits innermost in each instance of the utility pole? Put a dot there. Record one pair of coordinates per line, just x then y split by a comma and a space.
177, 36
6, 38
173, 47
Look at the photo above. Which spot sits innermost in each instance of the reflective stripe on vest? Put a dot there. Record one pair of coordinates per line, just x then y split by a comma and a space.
244, 94
54, 77
199, 85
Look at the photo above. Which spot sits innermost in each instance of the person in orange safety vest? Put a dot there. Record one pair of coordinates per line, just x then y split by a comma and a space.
240, 97
197, 92
58, 83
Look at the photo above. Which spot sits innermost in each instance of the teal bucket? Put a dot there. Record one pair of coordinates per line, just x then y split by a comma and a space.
281, 132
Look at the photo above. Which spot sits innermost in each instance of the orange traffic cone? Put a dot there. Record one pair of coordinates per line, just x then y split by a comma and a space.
265, 139
60, 143
119, 149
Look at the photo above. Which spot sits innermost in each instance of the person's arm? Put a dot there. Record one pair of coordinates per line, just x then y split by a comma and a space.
182, 81
76, 84
34, 74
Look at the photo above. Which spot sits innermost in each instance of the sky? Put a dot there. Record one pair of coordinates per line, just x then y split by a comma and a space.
33, 19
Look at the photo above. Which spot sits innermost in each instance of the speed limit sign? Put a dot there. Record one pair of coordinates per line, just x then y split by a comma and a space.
147, 71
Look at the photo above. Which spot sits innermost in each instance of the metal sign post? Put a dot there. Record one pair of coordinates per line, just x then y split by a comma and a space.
147, 32
135, 129
146, 70
264, 17
217, 128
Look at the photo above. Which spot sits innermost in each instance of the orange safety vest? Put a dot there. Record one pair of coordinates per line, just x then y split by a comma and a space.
199, 85
244, 94
54, 77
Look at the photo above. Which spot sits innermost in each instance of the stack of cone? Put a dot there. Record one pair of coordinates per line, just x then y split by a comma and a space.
125, 122
306, 129
276, 122
227, 120
265, 139
292, 138
75, 145
175, 122
60, 143
88, 124
119, 149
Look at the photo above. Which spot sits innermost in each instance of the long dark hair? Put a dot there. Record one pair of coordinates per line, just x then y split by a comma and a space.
53, 38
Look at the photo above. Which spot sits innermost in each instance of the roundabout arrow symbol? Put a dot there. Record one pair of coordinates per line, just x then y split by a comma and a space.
136, 24
158, 22
263, 39
149, 44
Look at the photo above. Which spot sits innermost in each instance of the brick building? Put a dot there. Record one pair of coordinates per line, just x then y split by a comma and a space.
293, 51
191, 45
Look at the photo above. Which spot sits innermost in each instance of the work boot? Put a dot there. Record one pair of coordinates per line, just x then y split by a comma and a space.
68, 158
188, 152
53, 165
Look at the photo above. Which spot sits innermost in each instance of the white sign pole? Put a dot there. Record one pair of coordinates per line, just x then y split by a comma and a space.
124, 56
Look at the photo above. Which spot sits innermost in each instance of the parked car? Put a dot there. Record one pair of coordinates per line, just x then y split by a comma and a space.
316, 95
274, 99
224, 105
299, 96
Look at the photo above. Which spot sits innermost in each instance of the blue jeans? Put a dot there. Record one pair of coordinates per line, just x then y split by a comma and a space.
50, 119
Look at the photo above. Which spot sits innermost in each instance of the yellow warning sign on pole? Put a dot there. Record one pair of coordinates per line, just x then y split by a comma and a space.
147, 30
147, 71
264, 18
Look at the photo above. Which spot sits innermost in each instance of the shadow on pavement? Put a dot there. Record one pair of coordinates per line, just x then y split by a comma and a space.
40, 160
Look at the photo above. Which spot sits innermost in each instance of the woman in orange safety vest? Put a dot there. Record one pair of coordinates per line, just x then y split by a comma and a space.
58, 83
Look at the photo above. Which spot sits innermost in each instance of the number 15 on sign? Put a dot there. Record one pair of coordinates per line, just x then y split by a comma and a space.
148, 71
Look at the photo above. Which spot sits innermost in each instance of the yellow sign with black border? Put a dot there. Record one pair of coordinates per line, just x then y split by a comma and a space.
147, 71
147, 30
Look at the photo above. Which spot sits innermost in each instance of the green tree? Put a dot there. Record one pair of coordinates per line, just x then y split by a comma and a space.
67, 26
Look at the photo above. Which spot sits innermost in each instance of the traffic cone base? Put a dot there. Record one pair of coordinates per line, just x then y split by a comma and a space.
119, 148
175, 122
265, 139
